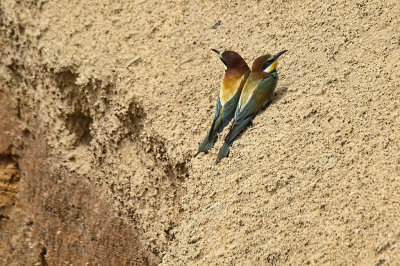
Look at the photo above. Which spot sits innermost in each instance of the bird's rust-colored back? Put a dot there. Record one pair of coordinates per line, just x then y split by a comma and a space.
236, 69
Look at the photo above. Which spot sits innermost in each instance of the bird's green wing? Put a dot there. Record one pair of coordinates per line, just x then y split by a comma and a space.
248, 110
229, 111
217, 108
266, 89
222, 119
217, 121
237, 127
261, 95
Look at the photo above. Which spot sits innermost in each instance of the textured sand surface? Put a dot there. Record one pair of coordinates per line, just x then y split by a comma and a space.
103, 105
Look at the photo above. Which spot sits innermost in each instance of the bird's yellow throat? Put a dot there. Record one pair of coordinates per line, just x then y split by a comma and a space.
271, 67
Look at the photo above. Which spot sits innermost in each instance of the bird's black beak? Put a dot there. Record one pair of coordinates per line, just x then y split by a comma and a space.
280, 53
218, 52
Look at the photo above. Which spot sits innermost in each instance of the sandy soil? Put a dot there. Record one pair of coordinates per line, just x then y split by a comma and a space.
104, 104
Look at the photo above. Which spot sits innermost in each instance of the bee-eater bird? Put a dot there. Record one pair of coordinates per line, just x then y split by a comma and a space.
257, 92
236, 73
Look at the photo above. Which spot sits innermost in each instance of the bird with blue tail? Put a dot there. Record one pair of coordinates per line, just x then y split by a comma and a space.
236, 73
256, 94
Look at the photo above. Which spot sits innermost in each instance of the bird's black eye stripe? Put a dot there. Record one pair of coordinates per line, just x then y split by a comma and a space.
266, 64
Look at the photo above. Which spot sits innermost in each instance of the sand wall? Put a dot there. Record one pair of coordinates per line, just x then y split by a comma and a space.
103, 105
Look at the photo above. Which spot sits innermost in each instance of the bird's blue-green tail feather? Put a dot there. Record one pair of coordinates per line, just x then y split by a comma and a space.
211, 138
207, 144
235, 130
223, 152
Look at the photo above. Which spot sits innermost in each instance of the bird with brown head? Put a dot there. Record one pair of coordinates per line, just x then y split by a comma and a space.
236, 73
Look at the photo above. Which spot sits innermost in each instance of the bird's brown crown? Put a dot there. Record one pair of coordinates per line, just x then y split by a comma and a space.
232, 59
262, 62
267, 63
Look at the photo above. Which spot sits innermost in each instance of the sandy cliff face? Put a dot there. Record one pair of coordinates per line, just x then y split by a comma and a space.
104, 104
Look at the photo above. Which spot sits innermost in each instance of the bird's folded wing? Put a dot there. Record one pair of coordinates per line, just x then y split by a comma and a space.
247, 111
230, 107
265, 90
217, 109
236, 128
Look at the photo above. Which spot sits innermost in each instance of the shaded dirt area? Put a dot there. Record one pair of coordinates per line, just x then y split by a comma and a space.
49, 216
104, 104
